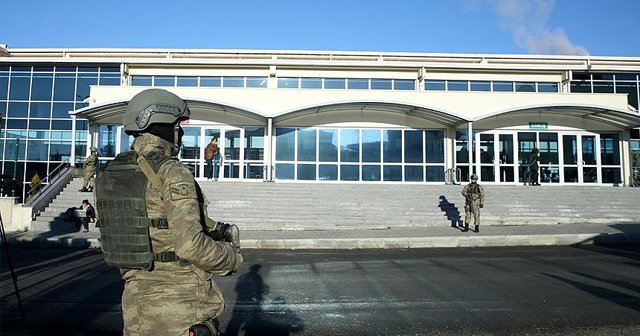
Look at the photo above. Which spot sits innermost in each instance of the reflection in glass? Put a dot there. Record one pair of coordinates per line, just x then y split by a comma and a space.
254, 143
106, 140
609, 149
487, 149
349, 173
328, 172
37, 150
549, 148
392, 147
611, 175
435, 146
413, 149
349, 145
285, 144
20, 83
64, 87
392, 173
370, 145
232, 147
413, 173
435, 173
84, 81
570, 151
487, 173
306, 172
285, 171
328, 145
306, 144
371, 173
41, 86
589, 150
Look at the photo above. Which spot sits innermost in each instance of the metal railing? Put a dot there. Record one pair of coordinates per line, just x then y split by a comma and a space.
47, 188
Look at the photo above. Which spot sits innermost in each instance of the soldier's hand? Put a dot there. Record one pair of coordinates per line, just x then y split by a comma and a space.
232, 233
481, 205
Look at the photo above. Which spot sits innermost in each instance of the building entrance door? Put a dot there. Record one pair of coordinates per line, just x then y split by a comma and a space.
496, 156
580, 158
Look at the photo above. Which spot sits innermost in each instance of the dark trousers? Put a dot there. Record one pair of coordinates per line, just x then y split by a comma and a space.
208, 171
82, 222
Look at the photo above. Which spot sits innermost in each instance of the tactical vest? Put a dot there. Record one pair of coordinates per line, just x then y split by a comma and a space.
124, 224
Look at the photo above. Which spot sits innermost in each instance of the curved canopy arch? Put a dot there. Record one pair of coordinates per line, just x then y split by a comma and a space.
618, 118
426, 113
111, 113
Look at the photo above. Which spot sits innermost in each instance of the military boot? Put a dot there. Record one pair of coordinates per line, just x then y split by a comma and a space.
466, 227
477, 228
83, 189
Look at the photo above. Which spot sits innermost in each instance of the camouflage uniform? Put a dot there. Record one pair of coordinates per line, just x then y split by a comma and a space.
89, 171
474, 199
175, 295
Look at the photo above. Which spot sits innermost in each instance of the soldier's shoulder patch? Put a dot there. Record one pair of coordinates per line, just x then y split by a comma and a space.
182, 190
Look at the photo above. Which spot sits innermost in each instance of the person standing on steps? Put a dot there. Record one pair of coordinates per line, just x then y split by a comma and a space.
474, 200
210, 154
535, 167
89, 170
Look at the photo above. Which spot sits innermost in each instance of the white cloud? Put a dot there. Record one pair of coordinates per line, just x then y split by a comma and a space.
528, 22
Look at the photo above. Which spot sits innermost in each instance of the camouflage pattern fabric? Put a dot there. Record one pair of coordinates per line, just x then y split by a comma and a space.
89, 171
175, 295
474, 196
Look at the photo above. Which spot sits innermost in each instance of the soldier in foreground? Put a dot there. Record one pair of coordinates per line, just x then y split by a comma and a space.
474, 200
154, 227
89, 170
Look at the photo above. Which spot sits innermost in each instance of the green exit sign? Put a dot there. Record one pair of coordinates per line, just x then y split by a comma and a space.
538, 125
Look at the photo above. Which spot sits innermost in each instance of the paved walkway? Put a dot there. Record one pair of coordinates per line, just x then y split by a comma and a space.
520, 235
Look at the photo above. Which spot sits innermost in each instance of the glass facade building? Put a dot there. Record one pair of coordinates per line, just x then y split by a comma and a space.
340, 118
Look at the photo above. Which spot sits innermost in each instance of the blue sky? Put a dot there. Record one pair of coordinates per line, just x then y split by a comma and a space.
595, 27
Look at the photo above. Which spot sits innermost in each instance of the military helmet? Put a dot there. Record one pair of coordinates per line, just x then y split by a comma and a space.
93, 150
153, 106
473, 177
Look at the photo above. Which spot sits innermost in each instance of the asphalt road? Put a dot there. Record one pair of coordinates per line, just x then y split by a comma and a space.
477, 291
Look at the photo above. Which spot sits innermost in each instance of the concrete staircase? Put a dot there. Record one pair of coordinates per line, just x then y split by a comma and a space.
321, 206
298, 206
52, 218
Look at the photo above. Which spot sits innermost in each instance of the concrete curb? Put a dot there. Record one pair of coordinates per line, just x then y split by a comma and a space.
375, 243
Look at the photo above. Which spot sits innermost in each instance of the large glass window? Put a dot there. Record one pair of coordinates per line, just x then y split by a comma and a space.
349, 145
328, 145
392, 147
434, 146
413, 149
19, 86
371, 146
4, 85
359, 156
254, 143
42, 86
334, 83
285, 144
84, 82
306, 144
64, 87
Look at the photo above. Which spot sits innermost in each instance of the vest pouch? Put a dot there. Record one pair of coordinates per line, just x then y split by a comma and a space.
124, 223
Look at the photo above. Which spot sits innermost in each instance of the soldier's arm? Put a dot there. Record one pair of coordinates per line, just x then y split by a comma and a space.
465, 190
190, 240
481, 195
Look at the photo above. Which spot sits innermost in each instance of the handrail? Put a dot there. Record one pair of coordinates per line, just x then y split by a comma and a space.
57, 180
50, 177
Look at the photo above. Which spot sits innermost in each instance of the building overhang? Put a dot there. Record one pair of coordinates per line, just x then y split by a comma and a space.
433, 115
618, 118
111, 112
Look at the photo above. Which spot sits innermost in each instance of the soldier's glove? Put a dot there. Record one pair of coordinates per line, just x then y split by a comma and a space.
232, 235
481, 205
217, 232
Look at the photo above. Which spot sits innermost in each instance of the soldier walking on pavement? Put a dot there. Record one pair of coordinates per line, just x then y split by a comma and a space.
474, 200
154, 227
89, 170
